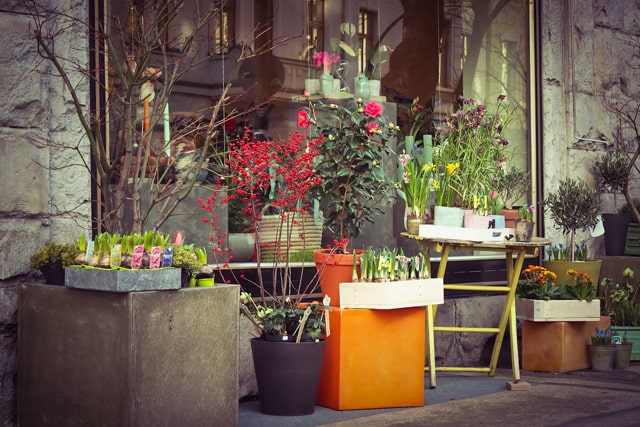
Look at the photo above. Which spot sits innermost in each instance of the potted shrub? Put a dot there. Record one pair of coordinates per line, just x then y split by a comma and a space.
289, 347
511, 187
574, 206
612, 174
621, 301
52, 259
356, 143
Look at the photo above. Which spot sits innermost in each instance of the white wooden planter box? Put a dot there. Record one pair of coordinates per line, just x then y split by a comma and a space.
391, 295
558, 310
461, 233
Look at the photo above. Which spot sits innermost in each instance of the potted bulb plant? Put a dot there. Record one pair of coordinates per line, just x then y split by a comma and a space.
574, 206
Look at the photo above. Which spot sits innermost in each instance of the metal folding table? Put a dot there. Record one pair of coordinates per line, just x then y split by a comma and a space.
515, 253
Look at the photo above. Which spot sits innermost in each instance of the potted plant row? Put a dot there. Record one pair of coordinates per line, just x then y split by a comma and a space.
621, 301
123, 263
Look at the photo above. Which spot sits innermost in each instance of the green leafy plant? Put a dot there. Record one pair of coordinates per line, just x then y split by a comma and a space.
512, 185
356, 142
611, 170
414, 179
52, 253
575, 205
526, 212
622, 300
185, 257
471, 152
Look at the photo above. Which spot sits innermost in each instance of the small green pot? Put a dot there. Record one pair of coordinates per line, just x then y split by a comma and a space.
205, 282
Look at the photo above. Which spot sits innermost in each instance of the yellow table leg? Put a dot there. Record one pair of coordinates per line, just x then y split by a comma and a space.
431, 350
508, 315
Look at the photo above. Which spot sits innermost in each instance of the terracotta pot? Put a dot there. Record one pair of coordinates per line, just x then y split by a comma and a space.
510, 216
334, 269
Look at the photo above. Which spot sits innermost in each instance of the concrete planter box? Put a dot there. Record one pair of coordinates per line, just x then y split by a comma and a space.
557, 310
164, 358
102, 279
391, 295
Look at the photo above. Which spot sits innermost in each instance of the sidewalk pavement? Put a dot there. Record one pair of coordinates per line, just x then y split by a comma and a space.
580, 398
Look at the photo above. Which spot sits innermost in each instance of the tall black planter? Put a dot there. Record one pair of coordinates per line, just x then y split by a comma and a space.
288, 375
615, 233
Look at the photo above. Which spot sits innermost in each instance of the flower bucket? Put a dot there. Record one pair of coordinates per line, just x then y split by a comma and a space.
312, 85
623, 356
448, 216
602, 357
524, 230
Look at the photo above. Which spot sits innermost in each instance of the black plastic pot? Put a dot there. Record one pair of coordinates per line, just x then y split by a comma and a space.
615, 233
288, 375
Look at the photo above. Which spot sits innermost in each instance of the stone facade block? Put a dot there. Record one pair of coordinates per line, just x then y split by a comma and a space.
23, 162
19, 239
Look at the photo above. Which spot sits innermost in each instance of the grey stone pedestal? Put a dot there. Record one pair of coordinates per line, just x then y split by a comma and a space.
156, 358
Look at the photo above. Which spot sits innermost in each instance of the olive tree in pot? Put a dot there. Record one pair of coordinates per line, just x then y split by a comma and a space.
574, 206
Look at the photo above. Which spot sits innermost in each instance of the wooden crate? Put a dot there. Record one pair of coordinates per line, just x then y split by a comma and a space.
558, 310
392, 295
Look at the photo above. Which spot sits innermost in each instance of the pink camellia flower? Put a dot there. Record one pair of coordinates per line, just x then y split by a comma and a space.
373, 109
372, 127
303, 119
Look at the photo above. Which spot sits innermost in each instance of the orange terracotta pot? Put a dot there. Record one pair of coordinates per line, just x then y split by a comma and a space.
510, 216
558, 346
334, 269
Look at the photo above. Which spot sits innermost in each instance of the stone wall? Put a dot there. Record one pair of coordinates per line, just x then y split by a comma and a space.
44, 195
589, 52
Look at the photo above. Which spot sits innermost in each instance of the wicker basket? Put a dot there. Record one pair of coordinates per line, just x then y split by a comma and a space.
272, 231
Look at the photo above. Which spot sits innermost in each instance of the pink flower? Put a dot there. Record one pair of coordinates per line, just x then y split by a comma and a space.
303, 119
372, 127
373, 109
404, 159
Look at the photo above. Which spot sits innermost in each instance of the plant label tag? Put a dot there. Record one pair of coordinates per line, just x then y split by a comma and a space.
89, 253
136, 259
155, 257
116, 256
167, 257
